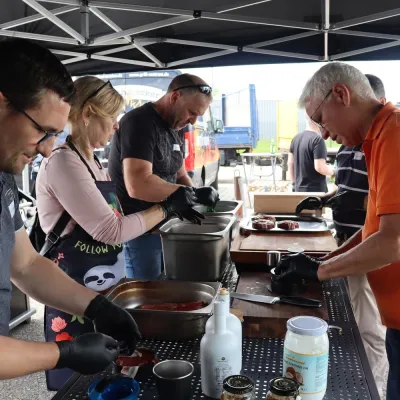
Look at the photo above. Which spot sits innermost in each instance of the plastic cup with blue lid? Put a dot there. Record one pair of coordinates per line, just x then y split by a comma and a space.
116, 387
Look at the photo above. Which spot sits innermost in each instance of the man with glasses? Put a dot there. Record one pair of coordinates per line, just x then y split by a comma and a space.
307, 161
349, 204
352, 115
35, 91
147, 163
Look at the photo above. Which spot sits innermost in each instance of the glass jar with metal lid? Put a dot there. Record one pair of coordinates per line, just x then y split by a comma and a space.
238, 387
283, 389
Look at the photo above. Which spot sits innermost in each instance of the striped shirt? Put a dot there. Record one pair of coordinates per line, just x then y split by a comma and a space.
351, 175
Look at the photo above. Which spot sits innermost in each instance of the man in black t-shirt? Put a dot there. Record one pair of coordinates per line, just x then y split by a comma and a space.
307, 161
147, 162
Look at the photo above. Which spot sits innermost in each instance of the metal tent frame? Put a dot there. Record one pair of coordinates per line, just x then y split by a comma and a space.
81, 46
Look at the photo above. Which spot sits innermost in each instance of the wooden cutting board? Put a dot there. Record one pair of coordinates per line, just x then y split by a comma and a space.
318, 242
269, 321
256, 259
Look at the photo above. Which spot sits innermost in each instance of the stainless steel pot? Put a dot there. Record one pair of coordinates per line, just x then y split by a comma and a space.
196, 252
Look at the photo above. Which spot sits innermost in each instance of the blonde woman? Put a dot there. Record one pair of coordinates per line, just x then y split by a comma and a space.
74, 189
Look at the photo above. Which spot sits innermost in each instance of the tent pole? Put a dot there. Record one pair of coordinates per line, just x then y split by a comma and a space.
144, 28
55, 20
37, 36
234, 7
365, 50
84, 10
99, 14
36, 17
200, 58
374, 35
281, 53
325, 26
123, 61
74, 60
149, 55
367, 19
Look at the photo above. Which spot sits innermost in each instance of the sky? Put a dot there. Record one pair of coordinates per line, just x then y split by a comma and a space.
285, 81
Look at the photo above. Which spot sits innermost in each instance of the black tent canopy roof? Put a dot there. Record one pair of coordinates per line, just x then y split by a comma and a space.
127, 35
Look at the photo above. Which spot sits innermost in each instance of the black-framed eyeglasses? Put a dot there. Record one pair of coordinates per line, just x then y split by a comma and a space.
47, 135
320, 126
205, 89
96, 92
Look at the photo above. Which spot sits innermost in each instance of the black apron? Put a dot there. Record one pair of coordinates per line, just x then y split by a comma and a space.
93, 264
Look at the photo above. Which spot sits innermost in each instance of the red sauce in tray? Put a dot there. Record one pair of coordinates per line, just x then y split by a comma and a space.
188, 306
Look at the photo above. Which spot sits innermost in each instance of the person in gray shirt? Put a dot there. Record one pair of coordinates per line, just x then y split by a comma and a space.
35, 91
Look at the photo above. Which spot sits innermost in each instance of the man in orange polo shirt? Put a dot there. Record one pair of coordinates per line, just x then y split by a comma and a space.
340, 100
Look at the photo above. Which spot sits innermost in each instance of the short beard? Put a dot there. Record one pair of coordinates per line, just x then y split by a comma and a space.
10, 166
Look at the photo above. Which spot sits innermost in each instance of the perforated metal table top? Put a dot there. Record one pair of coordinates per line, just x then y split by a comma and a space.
350, 376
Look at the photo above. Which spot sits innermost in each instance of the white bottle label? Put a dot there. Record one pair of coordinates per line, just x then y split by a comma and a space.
223, 369
309, 370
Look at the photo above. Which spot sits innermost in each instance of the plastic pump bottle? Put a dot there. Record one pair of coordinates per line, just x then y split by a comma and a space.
233, 323
220, 354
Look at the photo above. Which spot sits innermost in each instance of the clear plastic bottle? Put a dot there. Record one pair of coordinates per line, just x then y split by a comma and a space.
220, 354
305, 355
233, 323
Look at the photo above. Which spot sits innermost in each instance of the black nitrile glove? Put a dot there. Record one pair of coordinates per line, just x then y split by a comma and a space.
347, 201
310, 203
180, 200
298, 266
114, 321
191, 215
88, 354
207, 196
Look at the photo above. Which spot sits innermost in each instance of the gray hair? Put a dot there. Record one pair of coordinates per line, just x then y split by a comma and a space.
377, 86
331, 74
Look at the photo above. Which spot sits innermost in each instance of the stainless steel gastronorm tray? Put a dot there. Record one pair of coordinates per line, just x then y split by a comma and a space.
131, 294
307, 224
223, 207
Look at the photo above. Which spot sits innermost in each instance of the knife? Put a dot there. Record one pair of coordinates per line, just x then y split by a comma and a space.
292, 300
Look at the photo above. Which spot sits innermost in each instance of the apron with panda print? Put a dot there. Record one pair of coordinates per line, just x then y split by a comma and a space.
96, 265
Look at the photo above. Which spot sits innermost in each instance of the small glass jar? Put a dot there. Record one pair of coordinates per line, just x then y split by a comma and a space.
283, 389
238, 387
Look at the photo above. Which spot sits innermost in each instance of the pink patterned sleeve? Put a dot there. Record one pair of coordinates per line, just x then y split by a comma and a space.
67, 181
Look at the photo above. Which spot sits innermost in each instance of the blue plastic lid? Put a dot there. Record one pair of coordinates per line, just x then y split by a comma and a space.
307, 326
114, 388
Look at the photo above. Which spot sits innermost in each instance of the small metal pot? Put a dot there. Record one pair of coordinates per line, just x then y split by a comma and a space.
273, 258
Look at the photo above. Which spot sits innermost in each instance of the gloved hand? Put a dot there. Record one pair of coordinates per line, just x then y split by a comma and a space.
310, 203
191, 215
88, 354
180, 200
347, 201
114, 321
298, 266
207, 196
